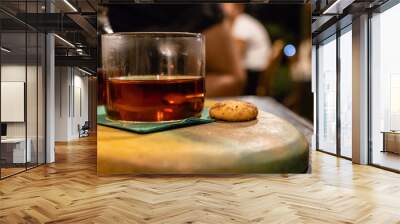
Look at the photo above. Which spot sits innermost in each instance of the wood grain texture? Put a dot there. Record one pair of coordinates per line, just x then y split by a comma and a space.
70, 191
266, 145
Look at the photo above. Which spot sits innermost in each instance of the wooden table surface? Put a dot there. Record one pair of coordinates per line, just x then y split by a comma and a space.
270, 105
270, 144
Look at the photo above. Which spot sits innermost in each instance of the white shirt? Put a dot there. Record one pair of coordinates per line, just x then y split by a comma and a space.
258, 43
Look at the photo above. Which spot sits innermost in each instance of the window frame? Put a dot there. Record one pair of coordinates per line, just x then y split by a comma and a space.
345, 27
378, 10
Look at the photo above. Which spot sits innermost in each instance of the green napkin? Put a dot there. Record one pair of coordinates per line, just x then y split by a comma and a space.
144, 128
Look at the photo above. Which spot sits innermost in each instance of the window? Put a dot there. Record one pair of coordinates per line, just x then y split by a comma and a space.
385, 89
345, 42
326, 99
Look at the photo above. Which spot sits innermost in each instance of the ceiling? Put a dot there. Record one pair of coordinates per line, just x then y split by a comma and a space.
73, 20
105, 2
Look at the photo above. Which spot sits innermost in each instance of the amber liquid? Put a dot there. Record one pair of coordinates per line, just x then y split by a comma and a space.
151, 98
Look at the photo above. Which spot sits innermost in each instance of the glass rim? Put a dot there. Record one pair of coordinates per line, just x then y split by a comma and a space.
154, 34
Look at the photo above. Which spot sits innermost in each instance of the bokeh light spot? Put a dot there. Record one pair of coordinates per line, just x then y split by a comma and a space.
289, 50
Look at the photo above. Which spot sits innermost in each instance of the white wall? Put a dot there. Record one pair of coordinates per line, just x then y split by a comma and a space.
80, 110
71, 93
62, 81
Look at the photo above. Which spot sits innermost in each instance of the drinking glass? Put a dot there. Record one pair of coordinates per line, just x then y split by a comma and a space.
153, 77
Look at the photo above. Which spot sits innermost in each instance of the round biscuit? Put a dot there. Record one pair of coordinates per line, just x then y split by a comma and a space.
233, 111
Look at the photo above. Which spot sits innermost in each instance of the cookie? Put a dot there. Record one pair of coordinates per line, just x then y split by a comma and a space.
233, 111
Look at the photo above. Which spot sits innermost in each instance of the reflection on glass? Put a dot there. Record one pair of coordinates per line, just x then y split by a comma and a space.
31, 97
15, 151
327, 96
22, 92
41, 99
385, 84
346, 94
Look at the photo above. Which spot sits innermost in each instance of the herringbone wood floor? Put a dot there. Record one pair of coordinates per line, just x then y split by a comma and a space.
69, 191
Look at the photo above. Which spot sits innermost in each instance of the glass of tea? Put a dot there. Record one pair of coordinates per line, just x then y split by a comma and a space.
153, 77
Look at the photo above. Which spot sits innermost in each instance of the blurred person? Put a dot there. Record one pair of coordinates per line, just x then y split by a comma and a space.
301, 99
300, 66
224, 74
269, 75
253, 42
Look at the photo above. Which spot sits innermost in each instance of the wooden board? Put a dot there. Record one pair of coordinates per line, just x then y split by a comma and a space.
266, 145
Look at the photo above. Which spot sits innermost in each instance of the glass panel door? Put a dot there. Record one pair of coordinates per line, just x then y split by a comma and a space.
346, 92
15, 151
22, 67
385, 89
32, 98
326, 100
41, 79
